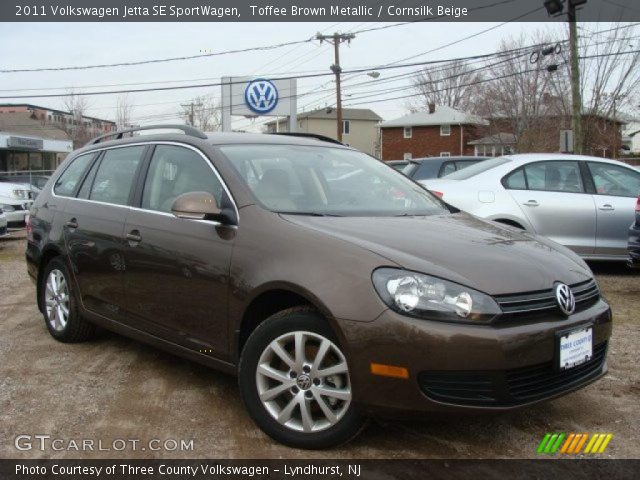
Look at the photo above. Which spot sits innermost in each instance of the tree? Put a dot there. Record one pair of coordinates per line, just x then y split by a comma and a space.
203, 112
450, 85
124, 111
77, 127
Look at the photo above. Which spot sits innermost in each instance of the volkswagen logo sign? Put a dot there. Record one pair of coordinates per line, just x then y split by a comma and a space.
261, 96
564, 297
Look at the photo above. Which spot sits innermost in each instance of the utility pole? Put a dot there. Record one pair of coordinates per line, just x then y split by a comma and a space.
336, 39
576, 97
191, 115
555, 8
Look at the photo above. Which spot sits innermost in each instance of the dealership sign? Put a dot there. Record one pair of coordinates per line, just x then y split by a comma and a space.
258, 96
25, 143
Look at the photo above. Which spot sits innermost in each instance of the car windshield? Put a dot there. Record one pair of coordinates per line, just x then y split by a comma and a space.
477, 168
309, 180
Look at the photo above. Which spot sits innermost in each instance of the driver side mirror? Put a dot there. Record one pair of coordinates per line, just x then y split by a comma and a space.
197, 206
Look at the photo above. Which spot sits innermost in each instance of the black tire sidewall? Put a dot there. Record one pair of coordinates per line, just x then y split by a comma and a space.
275, 326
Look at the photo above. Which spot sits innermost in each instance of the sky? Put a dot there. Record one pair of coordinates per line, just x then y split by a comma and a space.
24, 45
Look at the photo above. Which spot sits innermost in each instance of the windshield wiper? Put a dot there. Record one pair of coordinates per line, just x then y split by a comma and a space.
311, 214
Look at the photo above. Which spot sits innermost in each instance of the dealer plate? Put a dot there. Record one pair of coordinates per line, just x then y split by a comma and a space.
576, 347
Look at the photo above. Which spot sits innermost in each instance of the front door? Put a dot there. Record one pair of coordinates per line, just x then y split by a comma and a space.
177, 270
93, 225
617, 189
556, 204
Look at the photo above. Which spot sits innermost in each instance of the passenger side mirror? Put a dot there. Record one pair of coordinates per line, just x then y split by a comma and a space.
197, 206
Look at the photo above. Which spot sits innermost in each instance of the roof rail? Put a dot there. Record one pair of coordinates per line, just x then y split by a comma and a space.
187, 129
317, 136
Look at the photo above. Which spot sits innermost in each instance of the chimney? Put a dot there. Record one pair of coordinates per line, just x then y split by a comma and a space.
432, 108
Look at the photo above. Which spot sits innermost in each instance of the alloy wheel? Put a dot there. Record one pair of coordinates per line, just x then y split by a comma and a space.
57, 300
303, 381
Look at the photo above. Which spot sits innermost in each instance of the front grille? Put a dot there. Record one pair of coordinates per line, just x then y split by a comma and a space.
586, 294
499, 388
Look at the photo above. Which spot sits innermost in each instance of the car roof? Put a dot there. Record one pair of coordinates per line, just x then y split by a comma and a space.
454, 158
521, 158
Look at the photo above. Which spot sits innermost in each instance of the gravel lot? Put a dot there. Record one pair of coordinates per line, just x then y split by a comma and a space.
115, 388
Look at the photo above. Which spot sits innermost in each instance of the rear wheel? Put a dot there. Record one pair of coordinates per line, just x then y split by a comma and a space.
294, 380
60, 308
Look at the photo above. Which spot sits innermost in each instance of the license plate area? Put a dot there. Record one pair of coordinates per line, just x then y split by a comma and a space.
574, 347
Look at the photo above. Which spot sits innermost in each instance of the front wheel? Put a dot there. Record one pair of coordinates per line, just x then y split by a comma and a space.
294, 380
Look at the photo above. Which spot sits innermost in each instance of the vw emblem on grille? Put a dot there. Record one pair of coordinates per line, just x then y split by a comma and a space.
564, 297
261, 96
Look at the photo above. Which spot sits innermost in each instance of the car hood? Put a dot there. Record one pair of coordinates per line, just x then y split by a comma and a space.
483, 255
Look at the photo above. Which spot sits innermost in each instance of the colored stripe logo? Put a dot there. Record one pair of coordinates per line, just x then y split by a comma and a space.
574, 443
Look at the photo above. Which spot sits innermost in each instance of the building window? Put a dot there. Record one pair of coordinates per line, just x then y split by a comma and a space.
346, 127
408, 132
445, 130
445, 154
407, 156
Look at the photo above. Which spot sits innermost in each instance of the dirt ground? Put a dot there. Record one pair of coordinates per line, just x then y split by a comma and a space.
114, 388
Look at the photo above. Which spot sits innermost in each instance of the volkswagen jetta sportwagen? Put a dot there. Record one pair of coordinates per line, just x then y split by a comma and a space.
331, 284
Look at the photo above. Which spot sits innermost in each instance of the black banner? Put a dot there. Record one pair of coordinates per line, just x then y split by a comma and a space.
309, 11
324, 469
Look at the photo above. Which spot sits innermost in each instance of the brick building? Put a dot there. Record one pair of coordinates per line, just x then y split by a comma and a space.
79, 129
441, 131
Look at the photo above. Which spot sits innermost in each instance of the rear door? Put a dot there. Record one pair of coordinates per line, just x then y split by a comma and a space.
176, 280
93, 229
616, 190
555, 202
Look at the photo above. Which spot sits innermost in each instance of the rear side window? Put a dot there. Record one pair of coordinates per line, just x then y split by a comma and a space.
114, 178
66, 184
174, 171
555, 176
447, 168
515, 180
427, 169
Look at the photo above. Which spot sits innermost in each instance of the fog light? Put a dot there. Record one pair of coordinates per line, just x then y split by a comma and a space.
464, 304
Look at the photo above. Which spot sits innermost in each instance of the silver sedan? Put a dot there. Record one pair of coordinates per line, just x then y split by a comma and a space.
585, 203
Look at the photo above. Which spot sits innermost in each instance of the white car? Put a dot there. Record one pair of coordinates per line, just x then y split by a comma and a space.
585, 203
3, 224
15, 200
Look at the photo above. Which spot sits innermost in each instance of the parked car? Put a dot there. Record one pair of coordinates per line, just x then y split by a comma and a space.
15, 202
634, 239
3, 224
249, 253
437, 167
38, 181
585, 203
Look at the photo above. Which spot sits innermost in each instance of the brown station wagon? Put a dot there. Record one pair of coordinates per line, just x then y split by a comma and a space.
332, 285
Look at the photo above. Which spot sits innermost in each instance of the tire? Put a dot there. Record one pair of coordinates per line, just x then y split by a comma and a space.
290, 388
57, 296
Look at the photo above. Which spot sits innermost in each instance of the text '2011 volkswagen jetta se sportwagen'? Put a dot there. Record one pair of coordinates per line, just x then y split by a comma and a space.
335, 287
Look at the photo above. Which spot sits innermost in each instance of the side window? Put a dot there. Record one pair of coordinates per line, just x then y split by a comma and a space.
614, 180
515, 180
426, 170
176, 170
113, 180
555, 176
85, 189
447, 168
68, 181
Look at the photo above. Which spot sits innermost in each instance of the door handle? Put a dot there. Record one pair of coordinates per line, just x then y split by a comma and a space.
607, 207
134, 236
73, 223
531, 203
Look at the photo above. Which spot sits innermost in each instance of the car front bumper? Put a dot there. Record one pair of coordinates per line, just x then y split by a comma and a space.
467, 367
634, 245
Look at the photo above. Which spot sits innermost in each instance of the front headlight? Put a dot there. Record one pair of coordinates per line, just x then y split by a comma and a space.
7, 208
20, 193
420, 295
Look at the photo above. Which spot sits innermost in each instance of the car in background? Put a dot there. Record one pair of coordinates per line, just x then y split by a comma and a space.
15, 200
3, 224
585, 203
634, 239
33, 183
436, 167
